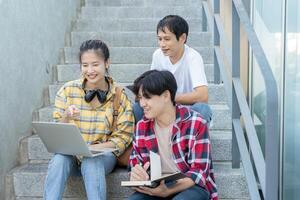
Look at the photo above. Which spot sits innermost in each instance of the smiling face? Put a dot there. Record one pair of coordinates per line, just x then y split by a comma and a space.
93, 68
169, 44
154, 105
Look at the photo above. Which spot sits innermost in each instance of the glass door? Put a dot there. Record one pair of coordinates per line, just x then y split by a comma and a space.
267, 22
291, 133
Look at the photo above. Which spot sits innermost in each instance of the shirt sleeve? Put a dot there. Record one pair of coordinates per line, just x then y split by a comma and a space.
140, 153
122, 136
154, 63
200, 156
60, 104
197, 72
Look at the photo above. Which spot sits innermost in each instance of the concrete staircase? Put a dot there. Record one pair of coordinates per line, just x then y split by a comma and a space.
129, 28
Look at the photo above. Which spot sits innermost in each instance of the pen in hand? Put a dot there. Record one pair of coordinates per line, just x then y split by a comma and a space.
139, 172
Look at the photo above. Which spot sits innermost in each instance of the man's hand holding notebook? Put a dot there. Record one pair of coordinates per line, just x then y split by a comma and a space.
142, 178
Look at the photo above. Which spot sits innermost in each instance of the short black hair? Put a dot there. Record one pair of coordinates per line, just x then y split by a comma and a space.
98, 46
175, 24
156, 82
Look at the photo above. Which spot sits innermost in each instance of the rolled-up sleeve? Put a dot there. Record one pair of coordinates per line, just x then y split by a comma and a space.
59, 105
139, 154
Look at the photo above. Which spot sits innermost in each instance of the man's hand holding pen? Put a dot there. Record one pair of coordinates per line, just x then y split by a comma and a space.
139, 172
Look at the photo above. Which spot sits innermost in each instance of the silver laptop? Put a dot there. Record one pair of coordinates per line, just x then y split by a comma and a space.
65, 138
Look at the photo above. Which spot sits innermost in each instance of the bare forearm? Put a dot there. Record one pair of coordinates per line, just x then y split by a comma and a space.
190, 98
199, 94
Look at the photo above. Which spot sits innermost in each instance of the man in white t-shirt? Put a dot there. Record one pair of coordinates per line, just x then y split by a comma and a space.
184, 62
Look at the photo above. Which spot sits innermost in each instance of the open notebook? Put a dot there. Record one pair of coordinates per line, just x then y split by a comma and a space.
155, 174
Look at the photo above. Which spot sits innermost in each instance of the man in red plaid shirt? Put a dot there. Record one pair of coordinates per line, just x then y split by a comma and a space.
178, 134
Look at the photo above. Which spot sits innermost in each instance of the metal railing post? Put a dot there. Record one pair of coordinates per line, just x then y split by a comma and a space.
272, 151
216, 43
204, 19
272, 145
235, 74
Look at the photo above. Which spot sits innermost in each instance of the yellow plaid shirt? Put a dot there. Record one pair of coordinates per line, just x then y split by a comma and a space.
95, 124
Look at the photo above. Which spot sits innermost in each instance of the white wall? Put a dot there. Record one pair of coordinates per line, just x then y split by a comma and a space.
31, 34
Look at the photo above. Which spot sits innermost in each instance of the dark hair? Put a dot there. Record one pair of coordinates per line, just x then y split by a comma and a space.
98, 46
155, 82
175, 24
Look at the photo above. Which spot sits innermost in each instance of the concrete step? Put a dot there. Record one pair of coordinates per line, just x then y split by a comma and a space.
137, 39
139, 24
25, 198
123, 73
29, 181
186, 11
142, 3
133, 55
37, 198
216, 93
30, 198
34, 150
221, 116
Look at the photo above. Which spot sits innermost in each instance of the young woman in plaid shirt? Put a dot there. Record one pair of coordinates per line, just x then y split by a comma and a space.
88, 103
175, 132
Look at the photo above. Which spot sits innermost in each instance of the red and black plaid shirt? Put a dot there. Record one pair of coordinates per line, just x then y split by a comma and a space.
191, 147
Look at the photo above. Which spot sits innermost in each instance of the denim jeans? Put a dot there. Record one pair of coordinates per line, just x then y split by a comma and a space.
202, 108
93, 171
192, 193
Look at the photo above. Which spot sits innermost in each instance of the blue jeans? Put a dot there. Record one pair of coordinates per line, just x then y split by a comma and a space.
93, 171
202, 108
195, 193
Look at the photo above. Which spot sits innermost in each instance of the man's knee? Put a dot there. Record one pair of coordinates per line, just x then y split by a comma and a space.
204, 110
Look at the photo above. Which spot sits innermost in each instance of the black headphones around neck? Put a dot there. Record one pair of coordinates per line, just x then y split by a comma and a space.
90, 94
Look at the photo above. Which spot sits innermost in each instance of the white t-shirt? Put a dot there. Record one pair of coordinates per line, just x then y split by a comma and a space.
188, 71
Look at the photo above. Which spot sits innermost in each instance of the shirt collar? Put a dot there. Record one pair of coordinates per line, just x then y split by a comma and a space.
112, 86
182, 113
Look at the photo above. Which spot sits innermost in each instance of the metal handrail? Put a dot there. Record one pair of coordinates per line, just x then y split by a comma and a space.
272, 119
226, 82
267, 169
250, 177
206, 24
250, 131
